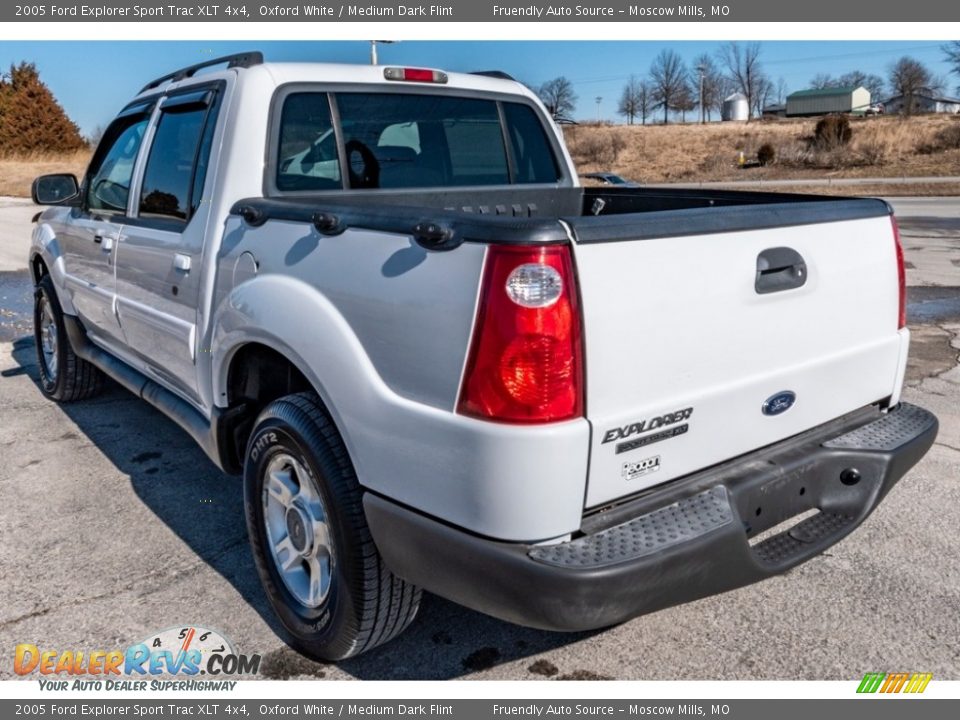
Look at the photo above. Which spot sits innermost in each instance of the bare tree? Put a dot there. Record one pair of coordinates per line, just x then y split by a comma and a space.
644, 101
629, 100
667, 78
725, 89
909, 77
742, 63
558, 97
952, 52
713, 83
782, 91
822, 80
763, 95
685, 101
93, 139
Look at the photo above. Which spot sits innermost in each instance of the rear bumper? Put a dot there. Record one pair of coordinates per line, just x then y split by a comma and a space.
687, 540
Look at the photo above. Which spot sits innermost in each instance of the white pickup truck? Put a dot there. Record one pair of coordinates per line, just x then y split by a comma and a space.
380, 294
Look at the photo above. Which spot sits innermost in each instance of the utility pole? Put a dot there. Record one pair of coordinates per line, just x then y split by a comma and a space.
701, 69
599, 100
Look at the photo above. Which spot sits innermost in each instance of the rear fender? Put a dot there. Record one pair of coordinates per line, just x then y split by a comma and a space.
507, 481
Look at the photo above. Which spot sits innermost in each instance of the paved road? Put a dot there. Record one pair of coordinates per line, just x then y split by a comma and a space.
814, 182
113, 525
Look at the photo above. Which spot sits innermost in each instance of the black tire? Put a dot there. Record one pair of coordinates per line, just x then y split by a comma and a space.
366, 605
64, 377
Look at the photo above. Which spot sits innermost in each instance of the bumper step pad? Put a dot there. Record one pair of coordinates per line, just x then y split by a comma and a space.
888, 433
793, 543
658, 530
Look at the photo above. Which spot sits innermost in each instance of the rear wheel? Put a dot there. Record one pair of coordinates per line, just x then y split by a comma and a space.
310, 540
64, 377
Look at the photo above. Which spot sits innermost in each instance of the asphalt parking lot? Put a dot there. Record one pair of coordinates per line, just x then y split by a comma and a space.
114, 525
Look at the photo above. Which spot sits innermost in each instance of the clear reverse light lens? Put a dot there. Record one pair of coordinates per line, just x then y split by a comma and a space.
533, 285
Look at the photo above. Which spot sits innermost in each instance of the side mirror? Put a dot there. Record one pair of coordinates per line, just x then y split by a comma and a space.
59, 189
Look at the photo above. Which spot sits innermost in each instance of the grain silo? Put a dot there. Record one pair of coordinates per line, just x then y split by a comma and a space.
828, 100
735, 107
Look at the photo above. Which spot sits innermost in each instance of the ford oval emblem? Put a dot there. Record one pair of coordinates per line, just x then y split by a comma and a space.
779, 403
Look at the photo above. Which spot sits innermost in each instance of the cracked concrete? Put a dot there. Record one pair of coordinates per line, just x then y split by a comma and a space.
113, 525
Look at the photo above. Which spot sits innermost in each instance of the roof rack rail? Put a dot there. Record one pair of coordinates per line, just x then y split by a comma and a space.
499, 74
242, 60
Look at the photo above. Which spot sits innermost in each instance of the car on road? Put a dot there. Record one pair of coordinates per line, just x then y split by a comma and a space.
381, 295
605, 178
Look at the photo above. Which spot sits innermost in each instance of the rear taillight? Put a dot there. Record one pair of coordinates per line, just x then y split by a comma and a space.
902, 275
525, 363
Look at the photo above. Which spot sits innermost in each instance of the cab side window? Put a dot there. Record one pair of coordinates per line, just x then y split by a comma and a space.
308, 145
111, 170
176, 167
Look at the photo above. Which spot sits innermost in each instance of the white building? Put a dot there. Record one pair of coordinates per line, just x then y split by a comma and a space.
735, 107
923, 102
828, 100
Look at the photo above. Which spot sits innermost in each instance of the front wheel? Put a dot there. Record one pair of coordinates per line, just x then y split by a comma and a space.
311, 544
63, 376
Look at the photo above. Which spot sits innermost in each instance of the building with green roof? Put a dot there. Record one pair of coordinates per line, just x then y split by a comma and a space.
824, 101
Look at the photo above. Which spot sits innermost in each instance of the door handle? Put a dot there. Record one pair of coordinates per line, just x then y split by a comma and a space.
105, 242
778, 269
181, 262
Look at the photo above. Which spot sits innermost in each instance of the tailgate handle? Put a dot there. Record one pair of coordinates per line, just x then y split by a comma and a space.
779, 268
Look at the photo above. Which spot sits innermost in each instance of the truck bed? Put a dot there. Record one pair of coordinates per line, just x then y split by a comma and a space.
514, 215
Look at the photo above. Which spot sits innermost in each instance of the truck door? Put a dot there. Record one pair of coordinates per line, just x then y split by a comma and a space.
159, 256
90, 235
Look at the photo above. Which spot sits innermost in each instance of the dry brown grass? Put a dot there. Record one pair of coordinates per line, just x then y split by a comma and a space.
879, 147
17, 172
947, 189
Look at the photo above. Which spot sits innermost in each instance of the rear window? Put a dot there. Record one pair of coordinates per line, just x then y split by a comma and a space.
399, 140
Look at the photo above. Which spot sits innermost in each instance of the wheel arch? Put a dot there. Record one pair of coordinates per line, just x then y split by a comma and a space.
285, 326
256, 375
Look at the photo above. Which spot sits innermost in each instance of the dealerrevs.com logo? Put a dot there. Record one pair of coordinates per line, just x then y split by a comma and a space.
187, 651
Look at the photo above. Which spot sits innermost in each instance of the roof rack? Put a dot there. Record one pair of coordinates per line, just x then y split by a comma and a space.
499, 74
242, 60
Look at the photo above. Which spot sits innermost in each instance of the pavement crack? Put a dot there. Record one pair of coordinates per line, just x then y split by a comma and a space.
137, 584
28, 616
946, 445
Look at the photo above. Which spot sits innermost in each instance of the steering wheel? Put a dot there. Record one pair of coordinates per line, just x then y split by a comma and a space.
363, 165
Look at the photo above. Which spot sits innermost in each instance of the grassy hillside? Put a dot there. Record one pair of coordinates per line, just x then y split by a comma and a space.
878, 147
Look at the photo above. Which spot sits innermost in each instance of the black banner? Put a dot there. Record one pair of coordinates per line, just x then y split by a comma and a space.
480, 11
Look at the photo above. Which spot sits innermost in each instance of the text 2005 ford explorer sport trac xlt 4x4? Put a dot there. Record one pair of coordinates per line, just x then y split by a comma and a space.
439, 363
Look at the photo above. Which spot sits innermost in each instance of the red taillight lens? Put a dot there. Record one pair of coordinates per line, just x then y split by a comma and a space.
415, 75
902, 274
525, 363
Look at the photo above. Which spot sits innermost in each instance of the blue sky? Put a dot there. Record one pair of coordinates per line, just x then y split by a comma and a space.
93, 80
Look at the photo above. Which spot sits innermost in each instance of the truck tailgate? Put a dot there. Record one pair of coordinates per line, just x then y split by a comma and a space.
688, 364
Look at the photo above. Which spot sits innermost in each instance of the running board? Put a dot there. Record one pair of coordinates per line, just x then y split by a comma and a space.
208, 435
